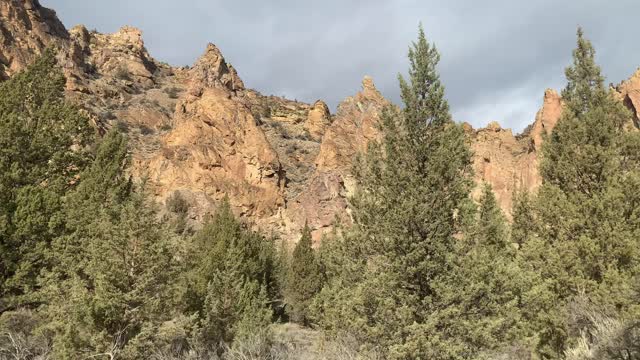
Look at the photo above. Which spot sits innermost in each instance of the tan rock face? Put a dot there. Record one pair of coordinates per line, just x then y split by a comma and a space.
212, 71
318, 120
198, 131
547, 117
26, 30
505, 162
630, 93
354, 126
323, 200
216, 149
121, 55
321, 204
510, 163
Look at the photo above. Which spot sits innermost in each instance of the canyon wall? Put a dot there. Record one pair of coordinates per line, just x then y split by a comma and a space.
199, 132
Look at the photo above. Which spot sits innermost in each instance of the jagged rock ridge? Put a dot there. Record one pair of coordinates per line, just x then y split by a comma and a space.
199, 132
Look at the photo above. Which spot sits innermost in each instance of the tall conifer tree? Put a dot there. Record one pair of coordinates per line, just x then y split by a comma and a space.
110, 287
305, 279
43, 147
586, 211
412, 187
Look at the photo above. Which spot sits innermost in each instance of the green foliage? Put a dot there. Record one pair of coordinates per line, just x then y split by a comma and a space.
232, 280
178, 208
587, 240
412, 187
523, 226
485, 291
305, 278
585, 88
234, 307
490, 229
110, 286
43, 143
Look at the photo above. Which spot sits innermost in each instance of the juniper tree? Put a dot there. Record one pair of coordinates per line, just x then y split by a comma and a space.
109, 289
490, 229
412, 185
305, 278
588, 214
523, 226
485, 291
231, 277
235, 307
43, 143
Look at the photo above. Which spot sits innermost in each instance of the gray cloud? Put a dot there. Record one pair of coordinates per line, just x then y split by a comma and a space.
498, 56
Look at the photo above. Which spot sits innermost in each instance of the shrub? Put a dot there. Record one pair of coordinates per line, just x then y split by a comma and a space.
277, 126
122, 73
145, 130
18, 340
107, 115
172, 92
122, 126
177, 204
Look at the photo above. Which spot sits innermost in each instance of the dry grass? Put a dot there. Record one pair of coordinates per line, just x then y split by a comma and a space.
607, 338
284, 342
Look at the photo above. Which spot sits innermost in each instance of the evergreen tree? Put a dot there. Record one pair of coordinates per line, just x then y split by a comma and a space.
109, 290
412, 187
490, 229
588, 216
486, 289
283, 270
231, 284
305, 279
43, 143
523, 226
235, 307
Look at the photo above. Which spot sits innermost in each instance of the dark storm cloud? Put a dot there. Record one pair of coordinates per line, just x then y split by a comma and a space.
498, 56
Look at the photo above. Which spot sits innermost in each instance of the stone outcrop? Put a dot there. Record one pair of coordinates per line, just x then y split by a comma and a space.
353, 127
212, 71
324, 198
199, 132
546, 118
629, 91
216, 148
509, 162
26, 30
318, 120
504, 161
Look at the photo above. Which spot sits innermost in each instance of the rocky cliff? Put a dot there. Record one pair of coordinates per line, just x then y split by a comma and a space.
199, 132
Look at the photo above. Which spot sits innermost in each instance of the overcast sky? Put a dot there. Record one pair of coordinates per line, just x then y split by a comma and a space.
498, 56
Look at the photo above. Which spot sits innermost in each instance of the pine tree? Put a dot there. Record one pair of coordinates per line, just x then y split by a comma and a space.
412, 187
43, 147
305, 278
